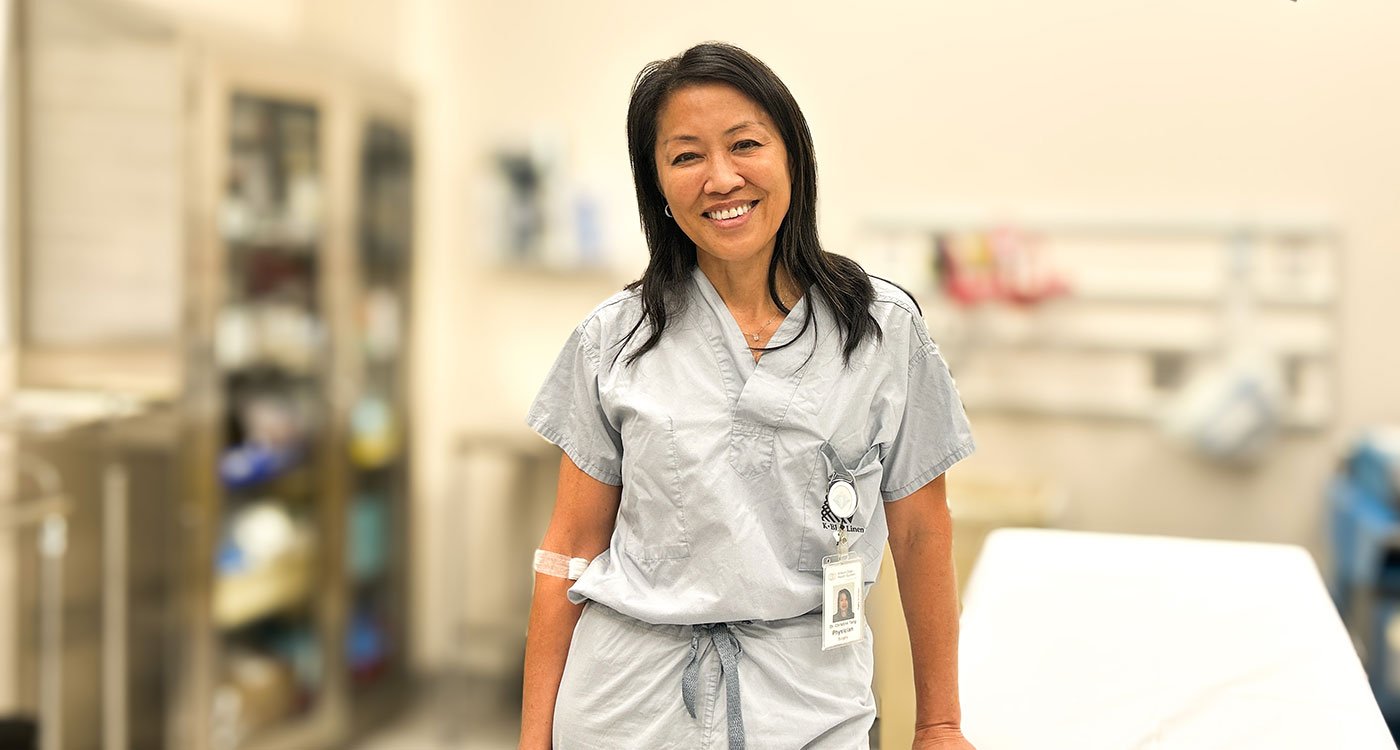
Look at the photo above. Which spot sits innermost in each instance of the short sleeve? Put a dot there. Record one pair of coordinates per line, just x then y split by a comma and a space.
568, 412
934, 433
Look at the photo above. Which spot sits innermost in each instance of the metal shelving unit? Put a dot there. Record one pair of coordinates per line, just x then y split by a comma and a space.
270, 310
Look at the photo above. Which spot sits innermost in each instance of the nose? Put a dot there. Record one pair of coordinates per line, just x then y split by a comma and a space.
723, 177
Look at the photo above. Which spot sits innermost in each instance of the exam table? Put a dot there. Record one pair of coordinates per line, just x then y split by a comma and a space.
1086, 640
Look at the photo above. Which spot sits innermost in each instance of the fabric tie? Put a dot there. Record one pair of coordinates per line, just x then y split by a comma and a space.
728, 647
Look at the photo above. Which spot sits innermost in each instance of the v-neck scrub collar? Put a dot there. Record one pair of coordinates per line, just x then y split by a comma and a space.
729, 331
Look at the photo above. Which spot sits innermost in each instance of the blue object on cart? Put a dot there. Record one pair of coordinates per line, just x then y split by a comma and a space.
1374, 466
1362, 527
1364, 514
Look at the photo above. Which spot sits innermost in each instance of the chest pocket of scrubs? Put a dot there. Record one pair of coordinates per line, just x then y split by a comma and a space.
818, 541
750, 448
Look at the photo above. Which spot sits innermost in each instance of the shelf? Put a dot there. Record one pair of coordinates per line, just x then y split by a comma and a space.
291, 734
296, 244
1161, 345
1006, 406
1168, 297
369, 583
244, 598
1135, 307
923, 220
54, 410
385, 468
292, 487
271, 372
1138, 332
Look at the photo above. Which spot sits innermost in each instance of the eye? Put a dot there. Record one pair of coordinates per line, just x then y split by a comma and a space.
681, 159
746, 145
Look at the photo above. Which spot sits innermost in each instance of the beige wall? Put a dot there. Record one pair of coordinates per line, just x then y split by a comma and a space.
1083, 105
1273, 107
1088, 106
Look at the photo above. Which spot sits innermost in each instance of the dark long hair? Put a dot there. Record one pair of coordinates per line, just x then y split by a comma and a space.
838, 279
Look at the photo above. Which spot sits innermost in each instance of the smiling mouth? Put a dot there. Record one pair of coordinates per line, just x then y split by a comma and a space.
730, 213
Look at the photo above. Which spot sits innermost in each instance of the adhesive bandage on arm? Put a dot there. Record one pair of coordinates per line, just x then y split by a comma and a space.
559, 566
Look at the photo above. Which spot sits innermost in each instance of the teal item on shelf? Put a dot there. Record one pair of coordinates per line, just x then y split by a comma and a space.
370, 534
299, 648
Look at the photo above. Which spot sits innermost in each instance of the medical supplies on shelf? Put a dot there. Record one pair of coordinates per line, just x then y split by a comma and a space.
262, 292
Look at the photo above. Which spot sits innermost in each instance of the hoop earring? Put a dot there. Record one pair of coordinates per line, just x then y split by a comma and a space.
667, 210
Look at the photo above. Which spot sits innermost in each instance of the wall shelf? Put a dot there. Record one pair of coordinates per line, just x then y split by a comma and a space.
1135, 297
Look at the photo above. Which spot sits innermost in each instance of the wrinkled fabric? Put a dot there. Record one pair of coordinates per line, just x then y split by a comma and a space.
621, 681
719, 458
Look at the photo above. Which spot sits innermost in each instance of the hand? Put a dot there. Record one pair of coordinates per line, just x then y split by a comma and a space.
940, 737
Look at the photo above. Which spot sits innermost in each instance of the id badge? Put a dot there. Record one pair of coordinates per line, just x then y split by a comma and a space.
843, 607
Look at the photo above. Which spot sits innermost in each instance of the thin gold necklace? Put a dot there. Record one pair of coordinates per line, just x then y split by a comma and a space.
755, 336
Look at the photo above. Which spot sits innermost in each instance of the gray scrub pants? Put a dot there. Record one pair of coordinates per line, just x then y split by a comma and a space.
621, 687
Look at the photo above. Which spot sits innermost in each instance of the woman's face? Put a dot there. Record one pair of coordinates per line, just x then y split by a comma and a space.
843, 601
718, 151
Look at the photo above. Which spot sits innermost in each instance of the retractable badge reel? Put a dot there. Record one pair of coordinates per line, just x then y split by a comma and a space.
843, 606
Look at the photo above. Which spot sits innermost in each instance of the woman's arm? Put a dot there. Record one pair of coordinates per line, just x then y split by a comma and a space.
921, 542
585, 511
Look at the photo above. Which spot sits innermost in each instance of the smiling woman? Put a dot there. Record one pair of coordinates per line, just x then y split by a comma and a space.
722, 167
709, 130
734, 425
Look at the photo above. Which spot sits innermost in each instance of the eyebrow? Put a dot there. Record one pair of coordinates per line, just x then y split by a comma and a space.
734, 129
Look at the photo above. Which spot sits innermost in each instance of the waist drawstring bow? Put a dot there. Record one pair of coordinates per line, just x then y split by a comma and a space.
727, 645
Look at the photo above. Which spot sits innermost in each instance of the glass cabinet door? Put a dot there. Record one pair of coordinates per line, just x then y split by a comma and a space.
271, 354
376, 520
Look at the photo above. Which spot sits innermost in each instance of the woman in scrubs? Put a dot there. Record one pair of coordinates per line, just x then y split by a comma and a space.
750, 420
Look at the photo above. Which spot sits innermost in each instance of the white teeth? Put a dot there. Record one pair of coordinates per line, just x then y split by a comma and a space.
730, 213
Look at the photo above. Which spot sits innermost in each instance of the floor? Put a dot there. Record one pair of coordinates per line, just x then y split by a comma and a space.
453, 714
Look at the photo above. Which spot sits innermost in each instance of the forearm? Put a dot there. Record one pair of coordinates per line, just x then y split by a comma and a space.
928, 592
582, 523
551, 628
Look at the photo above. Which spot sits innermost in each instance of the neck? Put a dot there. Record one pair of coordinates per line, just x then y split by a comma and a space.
743, 285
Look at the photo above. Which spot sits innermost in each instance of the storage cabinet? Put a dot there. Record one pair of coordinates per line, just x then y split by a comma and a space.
282, 189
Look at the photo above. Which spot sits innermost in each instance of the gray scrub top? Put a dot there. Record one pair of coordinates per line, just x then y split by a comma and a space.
719, 458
